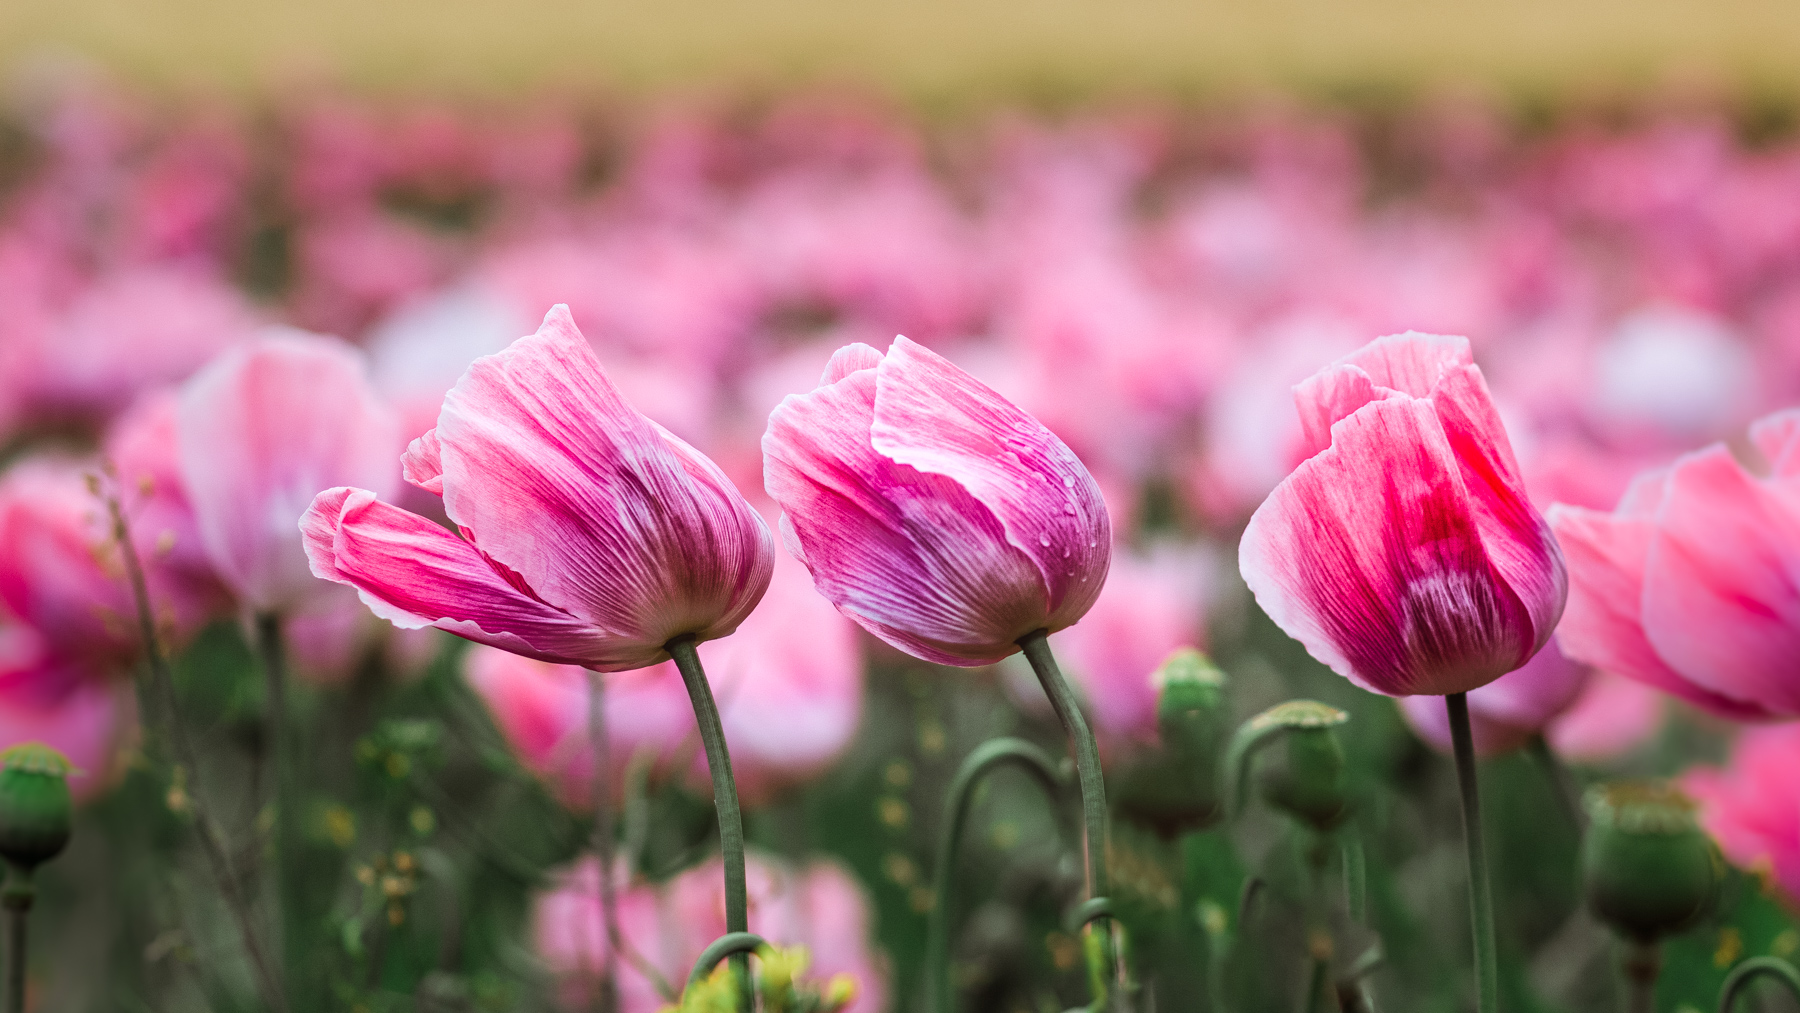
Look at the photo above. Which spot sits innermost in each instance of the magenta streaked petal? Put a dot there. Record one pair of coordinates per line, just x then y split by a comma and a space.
1411, 363
911, 556
602, 513
1519, 545
1327, 396
934, 417
1603, 624
1721, 602
423, 463
1369, 555
414, 573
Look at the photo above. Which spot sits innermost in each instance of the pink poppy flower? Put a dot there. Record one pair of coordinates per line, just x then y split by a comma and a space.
1750, 807
83, 718
262, 430
542, 709
591, 535
1507, 712
930, 510
818, 906
1685, 586
1404, 553
1613, 716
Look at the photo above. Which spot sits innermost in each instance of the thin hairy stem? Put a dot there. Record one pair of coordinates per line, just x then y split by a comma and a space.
211, 841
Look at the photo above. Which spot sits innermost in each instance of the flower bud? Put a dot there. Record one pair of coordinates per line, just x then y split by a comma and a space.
1175, 788
35, 808
1650, 871
1308, 780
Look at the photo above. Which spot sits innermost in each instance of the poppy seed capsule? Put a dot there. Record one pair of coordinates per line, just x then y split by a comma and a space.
1307, 781
35, 808
1650, 871
1175, 788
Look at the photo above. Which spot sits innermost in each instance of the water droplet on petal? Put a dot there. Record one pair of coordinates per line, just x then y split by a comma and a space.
1066, 555
1044, 540
1069, 480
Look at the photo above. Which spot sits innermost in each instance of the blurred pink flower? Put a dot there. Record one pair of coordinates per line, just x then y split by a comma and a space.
818, 906
1750, 806
1505, 713
937, 515
133, 330
1404, 553
592, 535
86, 720
542, 709
1150, 606
1685, 586
1613, 716
261, 431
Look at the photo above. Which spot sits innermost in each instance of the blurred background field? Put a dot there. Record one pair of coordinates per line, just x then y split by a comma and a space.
1143, 221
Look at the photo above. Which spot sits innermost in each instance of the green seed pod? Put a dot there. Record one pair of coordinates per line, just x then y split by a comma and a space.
1649, 868
1174, 788
1308, 780
35, 808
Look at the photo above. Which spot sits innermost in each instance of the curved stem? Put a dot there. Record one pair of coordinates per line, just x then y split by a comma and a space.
1750, 970
987, 757
737, 945
1036, 646
725, 799
1481, 901
1643, 963
603, 842
211, 841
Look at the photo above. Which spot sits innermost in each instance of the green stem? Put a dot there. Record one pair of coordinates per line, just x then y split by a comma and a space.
1036, 646
988, 756
725, 799
212, 842
1481, 901
286, 853
1750, 970
608, 993
1643, 963
19, 894
1318, 921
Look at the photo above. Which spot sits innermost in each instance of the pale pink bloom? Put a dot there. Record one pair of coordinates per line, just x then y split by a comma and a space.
789, 685
1672, 374
1403, 553
591, 535
133, 330
1505, 713
418, 352
1612, 717
542, 709
818, 906
262, 430
1750, 807
930, 510
143, 447
1686, 585
1151, 605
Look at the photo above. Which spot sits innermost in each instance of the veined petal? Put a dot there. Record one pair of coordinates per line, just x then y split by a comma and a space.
849, 359
933, 416
601, 512
1329, 395
1721, 591
423, 463
911, 556
1519, 545
414, 573
1411, 363
1603, 624
1370, 556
